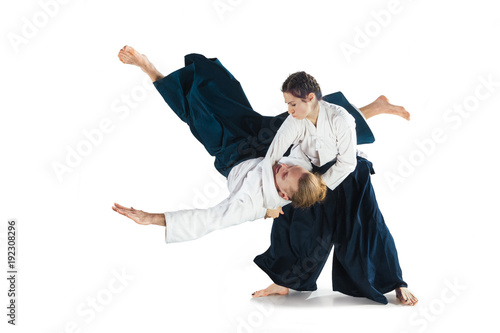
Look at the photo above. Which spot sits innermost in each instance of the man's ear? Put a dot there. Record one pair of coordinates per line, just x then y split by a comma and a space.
283, 195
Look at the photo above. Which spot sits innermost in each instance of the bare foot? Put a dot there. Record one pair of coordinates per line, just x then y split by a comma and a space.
273, 289
128, 55
405, 296
381, 105
139, 216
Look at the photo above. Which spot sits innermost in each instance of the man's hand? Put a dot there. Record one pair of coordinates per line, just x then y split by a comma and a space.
273, 213
139, 216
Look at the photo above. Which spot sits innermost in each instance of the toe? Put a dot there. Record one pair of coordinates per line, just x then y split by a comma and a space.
407, 298
260, 293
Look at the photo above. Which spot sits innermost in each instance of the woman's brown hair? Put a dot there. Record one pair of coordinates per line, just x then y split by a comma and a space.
301, 84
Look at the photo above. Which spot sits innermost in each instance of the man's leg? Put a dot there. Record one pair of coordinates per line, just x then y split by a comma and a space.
128, 55
207, 97
382, 106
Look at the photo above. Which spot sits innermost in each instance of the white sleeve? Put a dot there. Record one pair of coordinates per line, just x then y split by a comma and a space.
288, 134
190, 224
345, 130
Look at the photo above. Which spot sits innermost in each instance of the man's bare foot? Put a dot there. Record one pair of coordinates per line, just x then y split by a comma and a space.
128, 55
273, 289
381, 105
139, 216
405, 296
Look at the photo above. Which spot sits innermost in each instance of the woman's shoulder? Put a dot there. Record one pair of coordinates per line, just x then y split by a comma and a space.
337, 114
291, 122
332, 108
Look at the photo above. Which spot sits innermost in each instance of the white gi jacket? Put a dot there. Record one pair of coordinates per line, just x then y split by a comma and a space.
333, 137
245, 203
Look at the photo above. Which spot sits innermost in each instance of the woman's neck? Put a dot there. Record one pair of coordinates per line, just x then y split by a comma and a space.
313, 116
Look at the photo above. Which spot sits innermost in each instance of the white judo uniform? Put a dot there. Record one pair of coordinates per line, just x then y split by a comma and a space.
333, 138
244, 203
251, 183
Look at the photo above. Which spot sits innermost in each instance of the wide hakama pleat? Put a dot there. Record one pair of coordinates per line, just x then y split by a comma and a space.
206, 96
365, 261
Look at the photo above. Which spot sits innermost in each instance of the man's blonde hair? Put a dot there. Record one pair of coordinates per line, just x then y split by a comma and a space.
312, 189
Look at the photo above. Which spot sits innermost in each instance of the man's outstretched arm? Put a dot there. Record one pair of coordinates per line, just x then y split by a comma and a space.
139, 216
191, 224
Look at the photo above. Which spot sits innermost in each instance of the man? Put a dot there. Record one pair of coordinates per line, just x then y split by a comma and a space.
244, 203
245, 177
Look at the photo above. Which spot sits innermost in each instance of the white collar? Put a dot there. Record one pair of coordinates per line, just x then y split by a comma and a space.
269, 192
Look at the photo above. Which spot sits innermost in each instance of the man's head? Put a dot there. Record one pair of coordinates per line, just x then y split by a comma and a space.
297, 184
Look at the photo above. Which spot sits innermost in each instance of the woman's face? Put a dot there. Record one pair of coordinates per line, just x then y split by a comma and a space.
297, 107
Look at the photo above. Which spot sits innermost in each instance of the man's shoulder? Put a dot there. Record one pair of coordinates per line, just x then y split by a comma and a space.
246, 166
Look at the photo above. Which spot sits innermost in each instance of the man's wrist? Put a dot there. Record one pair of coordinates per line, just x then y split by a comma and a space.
159, 219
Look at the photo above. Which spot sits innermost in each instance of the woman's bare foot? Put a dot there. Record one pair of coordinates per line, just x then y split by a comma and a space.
405, 296
139, 216
128, 55
381, 105
273, 289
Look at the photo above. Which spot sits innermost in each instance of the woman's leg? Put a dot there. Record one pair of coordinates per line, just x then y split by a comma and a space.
365, 261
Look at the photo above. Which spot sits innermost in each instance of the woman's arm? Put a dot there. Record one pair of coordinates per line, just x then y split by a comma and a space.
344, 129
289, 133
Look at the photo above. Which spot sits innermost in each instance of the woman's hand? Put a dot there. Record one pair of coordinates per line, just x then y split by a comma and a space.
273, 213
139, 216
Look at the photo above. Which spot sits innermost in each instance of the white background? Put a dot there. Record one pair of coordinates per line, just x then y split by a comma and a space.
61, 78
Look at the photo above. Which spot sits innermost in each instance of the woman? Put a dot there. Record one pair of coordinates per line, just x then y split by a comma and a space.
204, 91
365, 256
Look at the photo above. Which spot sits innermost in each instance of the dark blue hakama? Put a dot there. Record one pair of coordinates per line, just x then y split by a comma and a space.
211, 101
365, 260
